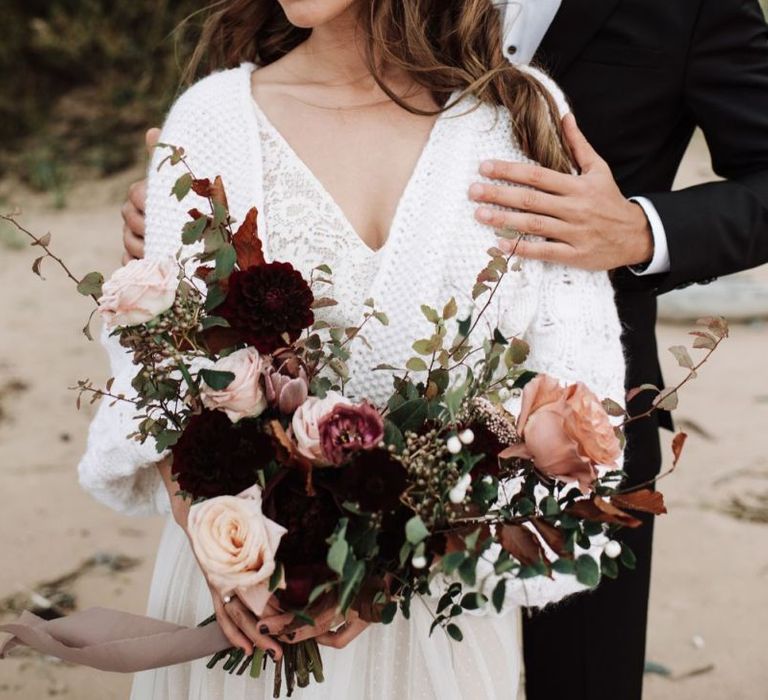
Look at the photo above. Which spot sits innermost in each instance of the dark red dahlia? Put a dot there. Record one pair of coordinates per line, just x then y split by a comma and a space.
375, 481
310, 521
215, 457
264, 303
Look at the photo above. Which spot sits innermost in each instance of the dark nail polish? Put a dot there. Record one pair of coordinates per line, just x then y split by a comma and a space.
292, 635
271, 654
264, 629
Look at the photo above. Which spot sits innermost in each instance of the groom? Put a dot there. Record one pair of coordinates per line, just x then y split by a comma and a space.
640, 75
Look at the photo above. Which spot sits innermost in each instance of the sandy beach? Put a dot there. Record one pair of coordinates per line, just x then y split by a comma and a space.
709, 609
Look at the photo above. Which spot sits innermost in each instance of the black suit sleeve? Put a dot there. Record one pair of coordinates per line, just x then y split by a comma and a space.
721, 228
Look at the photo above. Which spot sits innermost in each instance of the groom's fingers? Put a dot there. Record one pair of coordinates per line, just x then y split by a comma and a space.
534, 224
559, 253
531, 175
586, 157
522, 198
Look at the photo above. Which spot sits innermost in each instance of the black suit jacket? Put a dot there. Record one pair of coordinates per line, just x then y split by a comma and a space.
641, 75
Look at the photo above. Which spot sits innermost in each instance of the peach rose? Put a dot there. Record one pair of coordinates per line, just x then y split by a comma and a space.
306, 421
235, 544
139, 291
244, 397
565, 431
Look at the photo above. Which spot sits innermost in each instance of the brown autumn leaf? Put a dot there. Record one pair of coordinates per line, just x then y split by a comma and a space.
599, 510
288, 454
522, 544
195, 214
218, 193
678, 442
203, 271
644, 500
454, 541
247, 243
553, 536
202, 187
218, 338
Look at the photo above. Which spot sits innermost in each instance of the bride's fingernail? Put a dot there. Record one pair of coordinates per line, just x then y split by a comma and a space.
486, 167
484, 214
264, 629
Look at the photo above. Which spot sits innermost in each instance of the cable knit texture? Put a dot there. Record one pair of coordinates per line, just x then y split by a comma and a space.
434, 251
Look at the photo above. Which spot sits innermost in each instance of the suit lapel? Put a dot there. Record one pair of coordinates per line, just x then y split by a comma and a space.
576, 22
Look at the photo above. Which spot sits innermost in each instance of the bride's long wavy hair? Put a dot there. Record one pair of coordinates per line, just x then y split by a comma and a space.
443, 45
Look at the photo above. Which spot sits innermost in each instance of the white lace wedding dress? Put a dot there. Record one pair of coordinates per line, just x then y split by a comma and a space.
434, 250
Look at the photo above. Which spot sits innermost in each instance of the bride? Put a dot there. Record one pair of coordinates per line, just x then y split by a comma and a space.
362, 130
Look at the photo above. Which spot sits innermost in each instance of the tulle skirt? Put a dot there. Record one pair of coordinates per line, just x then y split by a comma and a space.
399, 661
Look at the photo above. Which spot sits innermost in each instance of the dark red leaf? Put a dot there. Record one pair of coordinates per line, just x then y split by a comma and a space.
219, 338
247, 243
645, 500
599, 510
202, 187
218, 193
553, 536
522, 544
203, 271
678, 443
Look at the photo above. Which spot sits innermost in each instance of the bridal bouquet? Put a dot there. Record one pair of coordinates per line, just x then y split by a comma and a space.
316, 501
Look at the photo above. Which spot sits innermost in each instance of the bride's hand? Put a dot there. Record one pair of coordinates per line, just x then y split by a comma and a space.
330, 628
246, 631
240, 626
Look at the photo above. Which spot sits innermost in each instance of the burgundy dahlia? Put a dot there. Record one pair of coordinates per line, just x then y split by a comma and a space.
349, 428
265, 303
215, 457
375, 481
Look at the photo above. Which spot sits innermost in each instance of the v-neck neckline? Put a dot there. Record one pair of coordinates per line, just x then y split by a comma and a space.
325, 193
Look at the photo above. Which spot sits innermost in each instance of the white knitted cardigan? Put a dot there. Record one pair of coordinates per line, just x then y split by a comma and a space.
567, 315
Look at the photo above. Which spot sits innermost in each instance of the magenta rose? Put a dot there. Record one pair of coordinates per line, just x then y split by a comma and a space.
348, 428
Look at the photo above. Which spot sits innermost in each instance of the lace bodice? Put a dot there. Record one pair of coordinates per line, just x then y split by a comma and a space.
307, 228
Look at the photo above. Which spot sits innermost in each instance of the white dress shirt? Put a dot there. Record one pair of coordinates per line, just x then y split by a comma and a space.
525, 24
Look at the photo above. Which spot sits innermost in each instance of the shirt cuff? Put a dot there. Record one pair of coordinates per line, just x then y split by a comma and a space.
660, 261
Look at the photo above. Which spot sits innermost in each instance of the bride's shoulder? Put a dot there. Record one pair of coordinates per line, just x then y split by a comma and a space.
215, 92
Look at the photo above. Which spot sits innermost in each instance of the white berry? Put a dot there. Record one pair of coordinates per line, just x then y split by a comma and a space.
456, 495
453, 444
467, 437
419, 561
612, 549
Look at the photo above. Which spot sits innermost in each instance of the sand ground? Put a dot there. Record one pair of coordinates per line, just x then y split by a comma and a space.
708, 625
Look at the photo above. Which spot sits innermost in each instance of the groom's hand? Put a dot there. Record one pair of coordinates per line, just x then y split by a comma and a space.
587, 221
133, 209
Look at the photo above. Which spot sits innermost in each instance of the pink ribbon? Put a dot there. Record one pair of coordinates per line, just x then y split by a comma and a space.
111, 640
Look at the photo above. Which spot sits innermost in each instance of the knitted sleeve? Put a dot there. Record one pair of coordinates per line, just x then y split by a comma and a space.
117, 470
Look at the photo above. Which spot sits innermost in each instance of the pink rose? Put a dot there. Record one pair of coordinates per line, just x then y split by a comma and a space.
244, 397
305, 425
347, 429
235, 544
565, 431
139, 291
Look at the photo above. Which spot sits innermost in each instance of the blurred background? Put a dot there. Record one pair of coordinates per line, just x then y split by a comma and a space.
80, 80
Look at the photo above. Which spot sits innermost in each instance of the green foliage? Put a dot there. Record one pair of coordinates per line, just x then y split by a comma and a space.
81, 79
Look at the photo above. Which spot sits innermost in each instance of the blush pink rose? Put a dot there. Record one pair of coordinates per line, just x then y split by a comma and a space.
244, 397
565, 431
348, 429
139, 291
305, 425
235, 544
